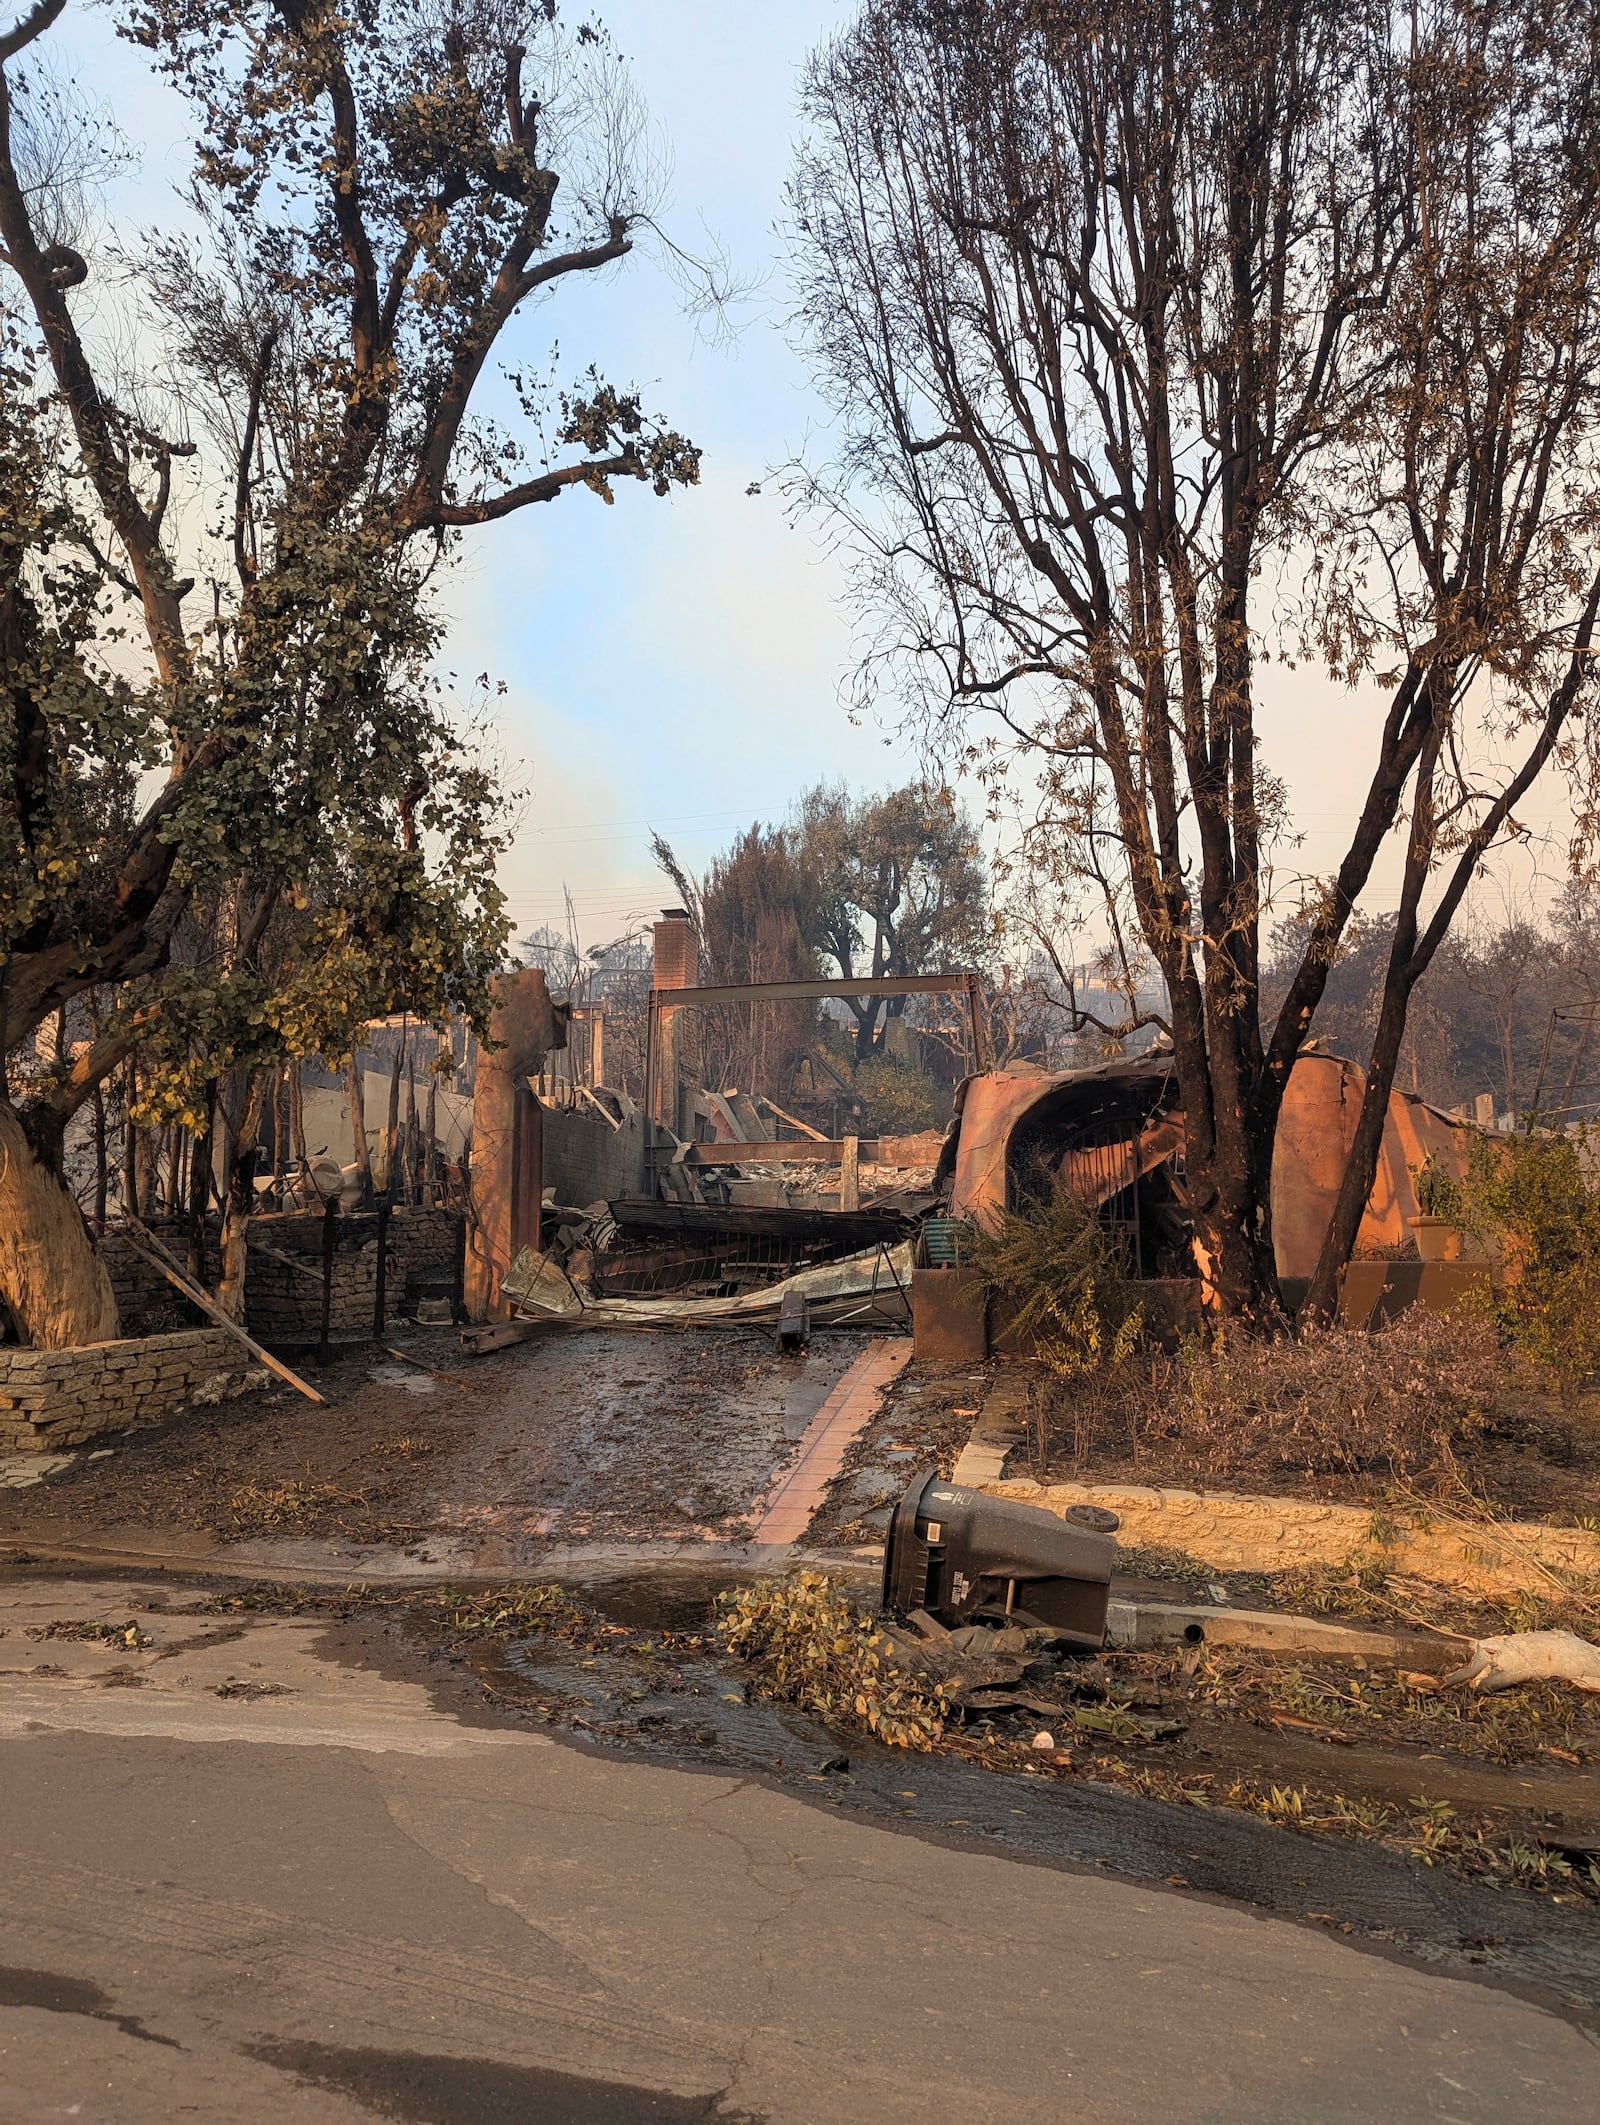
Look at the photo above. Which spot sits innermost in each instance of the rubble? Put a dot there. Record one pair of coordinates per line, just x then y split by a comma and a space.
869, 1288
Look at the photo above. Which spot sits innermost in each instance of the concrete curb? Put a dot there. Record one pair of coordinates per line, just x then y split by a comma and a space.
587, 1564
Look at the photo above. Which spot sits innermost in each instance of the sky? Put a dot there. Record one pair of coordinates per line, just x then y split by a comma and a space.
682, 665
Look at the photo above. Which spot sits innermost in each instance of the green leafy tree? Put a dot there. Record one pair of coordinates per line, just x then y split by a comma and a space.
1536, 1200
380, 192
894, 885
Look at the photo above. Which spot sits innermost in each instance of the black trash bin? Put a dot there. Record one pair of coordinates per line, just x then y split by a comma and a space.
969, 1558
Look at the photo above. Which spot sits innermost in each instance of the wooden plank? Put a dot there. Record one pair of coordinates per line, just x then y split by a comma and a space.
796, 1221
786, 1151
920, 1150
500, 1335
793, 1120
850, 1175
158, 1258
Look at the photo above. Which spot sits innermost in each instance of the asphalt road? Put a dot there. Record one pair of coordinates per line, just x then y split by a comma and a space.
242, 1879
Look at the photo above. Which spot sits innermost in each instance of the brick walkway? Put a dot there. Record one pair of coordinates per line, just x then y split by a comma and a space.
787, 1509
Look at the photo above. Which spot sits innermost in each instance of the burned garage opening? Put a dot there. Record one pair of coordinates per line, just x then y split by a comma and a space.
1113, 1137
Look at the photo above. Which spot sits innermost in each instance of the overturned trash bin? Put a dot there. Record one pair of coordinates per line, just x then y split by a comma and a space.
965, 1557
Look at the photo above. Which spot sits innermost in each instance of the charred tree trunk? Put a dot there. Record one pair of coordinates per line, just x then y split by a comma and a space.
411, 1157
430, 1126
391, 1133
297, 1117
200, 1186
130, 1142
358, 1125
101, 1176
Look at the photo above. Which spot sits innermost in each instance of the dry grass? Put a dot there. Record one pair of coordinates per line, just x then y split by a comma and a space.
1405, 1401
1538, 1722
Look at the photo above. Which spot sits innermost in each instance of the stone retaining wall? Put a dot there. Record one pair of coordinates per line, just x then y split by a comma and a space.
283, 1280
50, 1399
147, 1305
283, 1298
1233, 1531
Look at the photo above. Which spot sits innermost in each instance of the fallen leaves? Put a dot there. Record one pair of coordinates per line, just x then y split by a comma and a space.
812, 1646
125, 1634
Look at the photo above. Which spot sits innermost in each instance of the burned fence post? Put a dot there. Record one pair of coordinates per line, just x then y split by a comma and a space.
330, 1242
381, 1291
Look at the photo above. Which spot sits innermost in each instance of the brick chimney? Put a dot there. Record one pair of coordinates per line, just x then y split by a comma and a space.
677, 966
676, 954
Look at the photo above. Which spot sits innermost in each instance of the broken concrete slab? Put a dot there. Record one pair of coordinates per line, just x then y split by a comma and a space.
23, 1471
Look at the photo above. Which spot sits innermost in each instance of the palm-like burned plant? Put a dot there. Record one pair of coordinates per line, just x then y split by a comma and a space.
1062, 1280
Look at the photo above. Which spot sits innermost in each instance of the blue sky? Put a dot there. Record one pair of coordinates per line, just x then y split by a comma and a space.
679, 664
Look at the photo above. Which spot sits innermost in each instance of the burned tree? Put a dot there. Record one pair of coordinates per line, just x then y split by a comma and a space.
382, 190
895, 886
1109, 298
1466, 502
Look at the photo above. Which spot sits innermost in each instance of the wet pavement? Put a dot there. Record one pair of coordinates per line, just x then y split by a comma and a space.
632, 1467
656, 1692
270, 1864
599, 1437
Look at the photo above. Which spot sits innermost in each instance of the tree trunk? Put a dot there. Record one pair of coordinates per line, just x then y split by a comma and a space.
240, 1202
430, 1129
51, 1278
200, 1163
130, 1141
1229, 1116
411, 1160
100, 1174
1321, 1306
391, 1133
297, 1118
358, 1125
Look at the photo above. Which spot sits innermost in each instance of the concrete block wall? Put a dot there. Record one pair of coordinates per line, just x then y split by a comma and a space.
587, 1161
51, 1399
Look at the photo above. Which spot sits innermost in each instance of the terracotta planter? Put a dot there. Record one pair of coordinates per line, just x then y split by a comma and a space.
1437, 1240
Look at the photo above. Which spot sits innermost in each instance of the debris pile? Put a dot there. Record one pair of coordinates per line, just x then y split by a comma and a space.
812, 1646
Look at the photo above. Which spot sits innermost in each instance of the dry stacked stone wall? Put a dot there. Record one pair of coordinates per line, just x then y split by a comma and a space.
147, 1305
51, 1399
283, 1280
283, 1283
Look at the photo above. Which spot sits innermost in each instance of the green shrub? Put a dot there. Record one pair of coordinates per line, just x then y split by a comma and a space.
1066, 1284
900, 1101
1536, 1199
